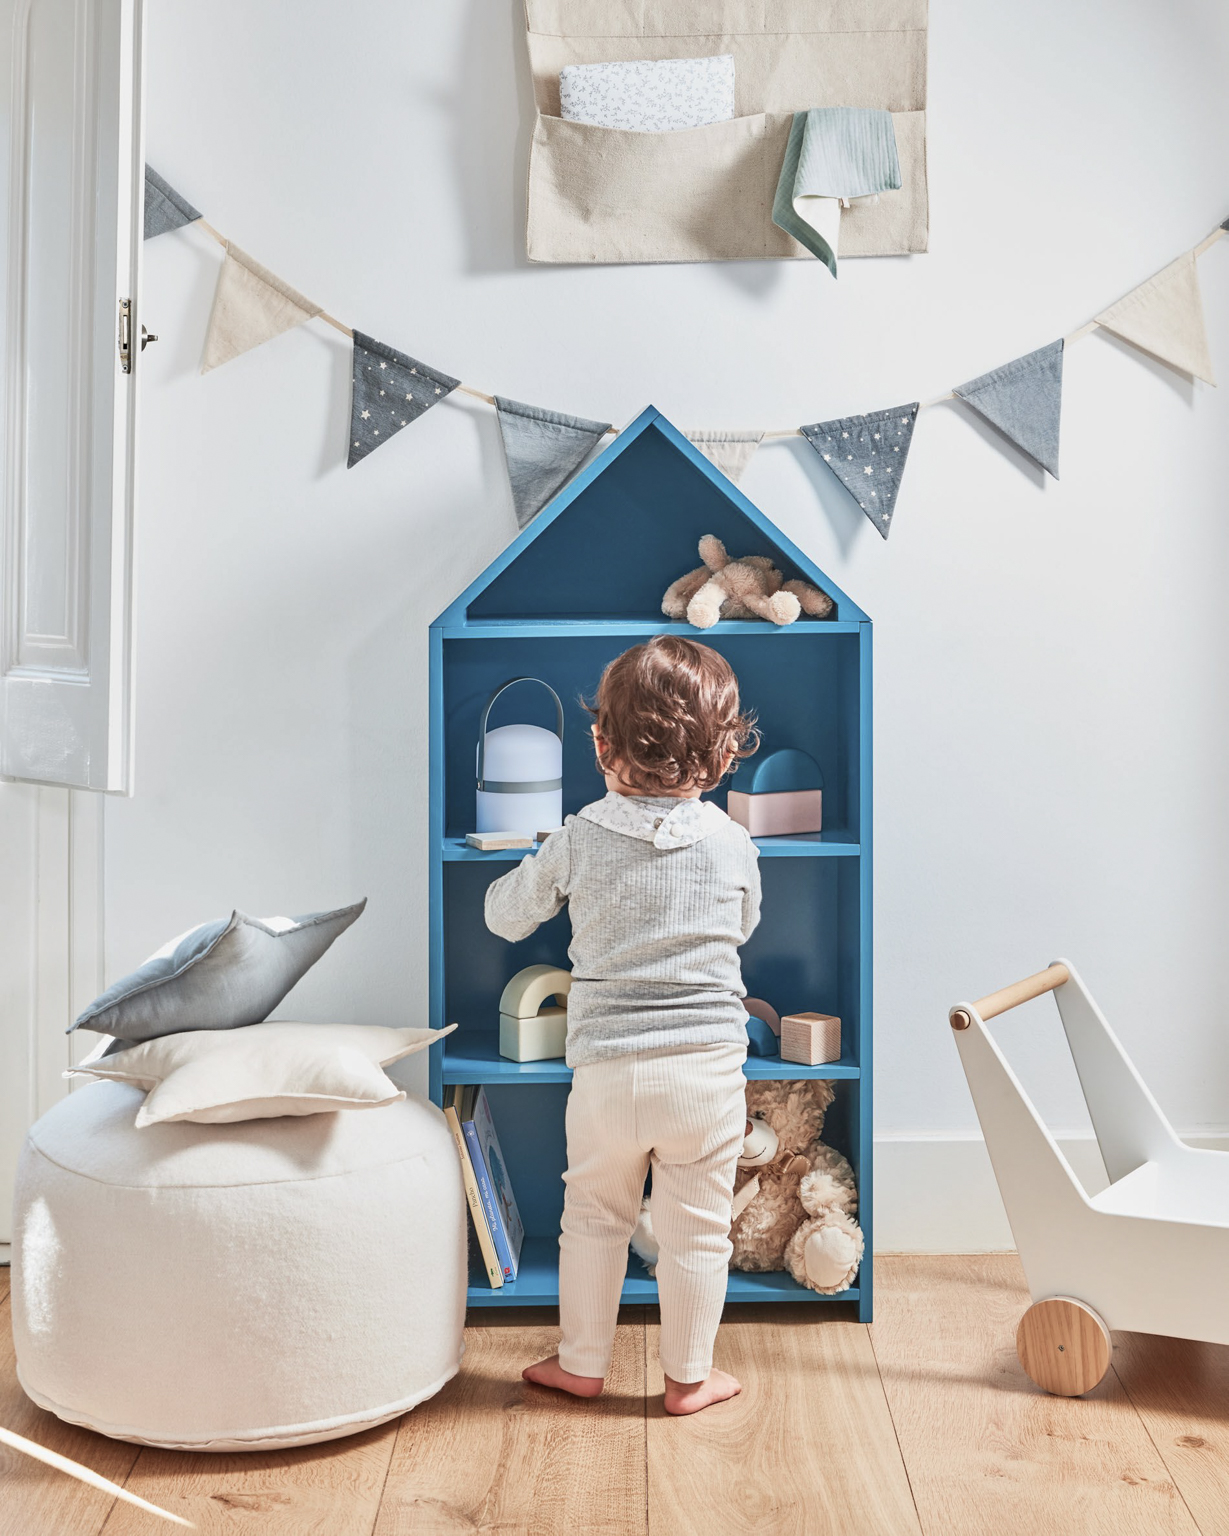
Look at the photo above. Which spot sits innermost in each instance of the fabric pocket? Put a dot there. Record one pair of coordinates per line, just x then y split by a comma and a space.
697, 194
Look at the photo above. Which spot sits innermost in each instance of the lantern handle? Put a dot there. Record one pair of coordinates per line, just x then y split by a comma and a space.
486, 714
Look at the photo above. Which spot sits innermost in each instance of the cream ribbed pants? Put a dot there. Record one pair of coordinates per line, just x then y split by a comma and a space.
681, 1112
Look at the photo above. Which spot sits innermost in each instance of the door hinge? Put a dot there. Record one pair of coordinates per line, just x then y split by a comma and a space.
125, 335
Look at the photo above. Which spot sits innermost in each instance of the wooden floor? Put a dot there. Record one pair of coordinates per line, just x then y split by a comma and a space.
922, 1423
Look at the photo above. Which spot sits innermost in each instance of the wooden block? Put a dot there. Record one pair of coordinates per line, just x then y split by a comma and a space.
810, 1038
491, 842
540, 837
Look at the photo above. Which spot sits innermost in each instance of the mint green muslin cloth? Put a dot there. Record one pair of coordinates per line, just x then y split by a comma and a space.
834, 154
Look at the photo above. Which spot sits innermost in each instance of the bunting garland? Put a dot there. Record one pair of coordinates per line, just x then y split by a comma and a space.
251, 305
388, 391
1023, 399
165, 209
1164, 317
543, 449
867, 455
729, 451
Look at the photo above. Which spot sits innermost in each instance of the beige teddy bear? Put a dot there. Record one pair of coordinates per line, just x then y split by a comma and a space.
795, 1204
801, 1215
750, 588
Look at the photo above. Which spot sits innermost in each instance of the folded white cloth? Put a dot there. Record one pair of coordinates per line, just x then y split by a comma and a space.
649, 95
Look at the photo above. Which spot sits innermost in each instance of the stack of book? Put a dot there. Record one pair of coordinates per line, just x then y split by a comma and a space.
492, 1205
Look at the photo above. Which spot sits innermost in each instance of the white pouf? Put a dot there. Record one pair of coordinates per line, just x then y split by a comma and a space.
227, 1287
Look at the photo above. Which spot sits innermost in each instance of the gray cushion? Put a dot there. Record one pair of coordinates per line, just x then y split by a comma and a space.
220, 976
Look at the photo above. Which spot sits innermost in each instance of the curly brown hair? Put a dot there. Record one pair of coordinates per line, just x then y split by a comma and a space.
668, 713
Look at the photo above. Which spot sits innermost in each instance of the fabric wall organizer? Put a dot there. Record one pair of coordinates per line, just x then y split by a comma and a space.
706, 194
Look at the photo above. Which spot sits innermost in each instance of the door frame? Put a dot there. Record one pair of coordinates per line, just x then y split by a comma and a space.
55, 967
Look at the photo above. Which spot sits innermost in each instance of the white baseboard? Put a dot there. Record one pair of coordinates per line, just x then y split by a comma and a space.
937, 1194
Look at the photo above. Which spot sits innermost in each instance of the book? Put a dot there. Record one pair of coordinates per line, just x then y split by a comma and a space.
497, 1169
492, 1176
487, 1194
494, 1270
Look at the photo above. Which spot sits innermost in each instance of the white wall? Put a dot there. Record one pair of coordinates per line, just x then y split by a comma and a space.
1051, 658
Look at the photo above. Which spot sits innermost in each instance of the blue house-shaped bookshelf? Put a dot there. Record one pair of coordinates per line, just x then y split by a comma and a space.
580, 584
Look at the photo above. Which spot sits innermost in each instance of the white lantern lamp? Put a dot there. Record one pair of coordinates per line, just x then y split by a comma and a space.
520, 771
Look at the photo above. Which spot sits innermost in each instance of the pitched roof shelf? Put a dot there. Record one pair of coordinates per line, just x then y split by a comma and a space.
581, 583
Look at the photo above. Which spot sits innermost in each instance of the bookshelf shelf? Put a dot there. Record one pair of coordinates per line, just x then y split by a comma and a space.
833, 843
537, 1284
472, 1056
640, 628
547, 608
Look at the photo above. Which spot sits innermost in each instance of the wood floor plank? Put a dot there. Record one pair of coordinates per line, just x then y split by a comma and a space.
1180, 1389
807, 1448
36, 1500
985, 1449
492, 1453
331, 1489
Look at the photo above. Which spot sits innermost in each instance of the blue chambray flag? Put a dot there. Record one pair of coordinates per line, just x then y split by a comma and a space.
389, 391
544, 449
165, 209
867, 455
1023, 399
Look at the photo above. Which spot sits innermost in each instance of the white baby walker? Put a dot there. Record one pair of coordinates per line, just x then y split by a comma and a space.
1091, 1262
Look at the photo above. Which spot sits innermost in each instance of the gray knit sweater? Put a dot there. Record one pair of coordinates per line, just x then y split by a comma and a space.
661, 893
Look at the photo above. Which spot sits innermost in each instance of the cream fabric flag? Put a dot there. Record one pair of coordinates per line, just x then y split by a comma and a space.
729, 451
1164, 316
251, 305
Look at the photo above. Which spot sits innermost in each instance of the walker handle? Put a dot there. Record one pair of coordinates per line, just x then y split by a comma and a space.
1012, 996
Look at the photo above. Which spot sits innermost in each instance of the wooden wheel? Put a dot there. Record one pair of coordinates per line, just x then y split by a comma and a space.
1063, 1346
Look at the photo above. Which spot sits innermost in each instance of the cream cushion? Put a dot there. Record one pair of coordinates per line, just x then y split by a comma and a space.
270, 1283
261, 1070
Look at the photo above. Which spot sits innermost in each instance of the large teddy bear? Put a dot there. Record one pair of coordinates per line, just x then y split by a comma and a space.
801, 1215
795, 1211
750, 588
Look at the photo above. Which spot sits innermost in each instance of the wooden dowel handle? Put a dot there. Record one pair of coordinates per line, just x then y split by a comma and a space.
1012, 996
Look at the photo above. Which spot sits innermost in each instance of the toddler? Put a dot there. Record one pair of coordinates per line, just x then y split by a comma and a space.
662, 889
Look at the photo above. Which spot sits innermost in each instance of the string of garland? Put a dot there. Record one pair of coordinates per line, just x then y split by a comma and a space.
1163, 316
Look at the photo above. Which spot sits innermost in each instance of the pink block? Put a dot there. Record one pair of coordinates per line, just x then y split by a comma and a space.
794, 810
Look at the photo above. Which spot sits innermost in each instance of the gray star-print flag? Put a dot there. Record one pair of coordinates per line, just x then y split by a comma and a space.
165, 209
1023, 399
390, 390
544, 449
867, 455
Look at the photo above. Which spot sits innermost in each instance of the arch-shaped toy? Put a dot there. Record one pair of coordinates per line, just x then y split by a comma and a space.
528, 1031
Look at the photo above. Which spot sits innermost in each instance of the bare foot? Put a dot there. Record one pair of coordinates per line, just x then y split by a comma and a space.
691, 1396
549, 1373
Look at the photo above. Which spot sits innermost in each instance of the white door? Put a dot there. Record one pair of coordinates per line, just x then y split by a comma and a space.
71, 195
71, 199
